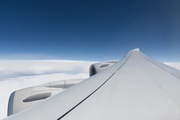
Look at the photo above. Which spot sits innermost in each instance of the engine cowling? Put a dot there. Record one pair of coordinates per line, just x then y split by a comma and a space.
25, 98
97, 67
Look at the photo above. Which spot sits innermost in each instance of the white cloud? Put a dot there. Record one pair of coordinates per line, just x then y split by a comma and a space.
34, 67
18, 74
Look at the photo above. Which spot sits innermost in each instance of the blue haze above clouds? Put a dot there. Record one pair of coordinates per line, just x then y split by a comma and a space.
42, 41
89, 30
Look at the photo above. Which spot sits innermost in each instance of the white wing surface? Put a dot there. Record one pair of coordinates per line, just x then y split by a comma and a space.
135, 88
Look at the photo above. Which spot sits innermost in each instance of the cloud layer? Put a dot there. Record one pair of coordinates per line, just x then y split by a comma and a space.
18, 74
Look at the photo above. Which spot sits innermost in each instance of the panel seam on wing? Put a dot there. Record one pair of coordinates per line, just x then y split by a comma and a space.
160, 67
159, 85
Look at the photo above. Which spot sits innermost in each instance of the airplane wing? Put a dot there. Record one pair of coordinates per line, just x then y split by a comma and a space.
135, 88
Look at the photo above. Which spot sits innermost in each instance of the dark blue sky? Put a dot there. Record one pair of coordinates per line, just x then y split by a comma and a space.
89, 29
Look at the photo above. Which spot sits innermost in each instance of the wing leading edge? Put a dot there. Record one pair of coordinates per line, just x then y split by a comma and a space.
137, 87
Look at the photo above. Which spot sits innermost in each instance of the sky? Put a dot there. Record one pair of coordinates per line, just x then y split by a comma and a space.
43, 41
93, 30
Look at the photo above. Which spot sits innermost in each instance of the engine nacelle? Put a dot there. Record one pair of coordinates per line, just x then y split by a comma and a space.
28, 97
97, 67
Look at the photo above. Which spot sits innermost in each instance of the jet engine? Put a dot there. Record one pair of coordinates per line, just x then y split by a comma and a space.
97, 67
22, 99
